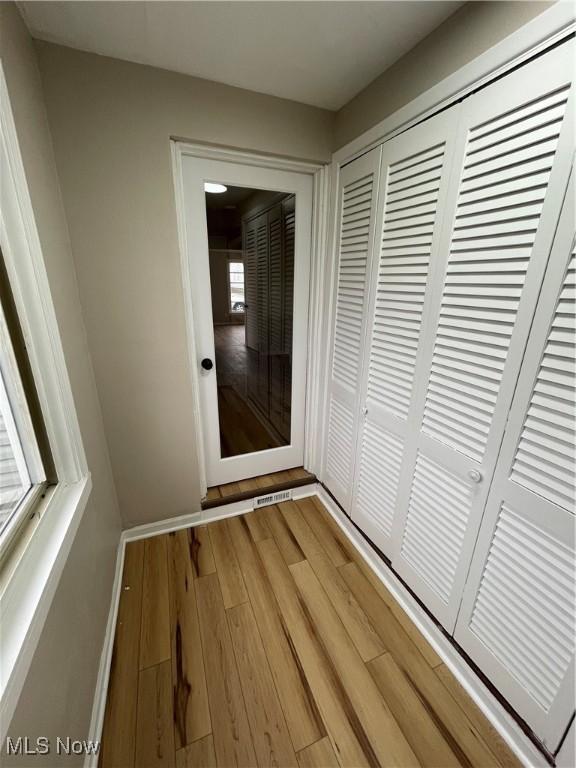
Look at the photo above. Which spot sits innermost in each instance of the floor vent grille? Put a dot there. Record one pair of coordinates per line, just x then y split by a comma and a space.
272, 498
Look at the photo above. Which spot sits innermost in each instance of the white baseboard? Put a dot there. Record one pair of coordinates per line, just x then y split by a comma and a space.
493, 710
502, 721
99, 705
143, 532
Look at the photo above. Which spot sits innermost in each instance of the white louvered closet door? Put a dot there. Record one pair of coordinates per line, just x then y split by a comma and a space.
414, 176
517, 615
357, 195
509, 179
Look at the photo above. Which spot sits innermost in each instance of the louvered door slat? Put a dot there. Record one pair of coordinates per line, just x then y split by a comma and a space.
510, 172
357, 195
251, 285
289, 224
517, 617
413, 184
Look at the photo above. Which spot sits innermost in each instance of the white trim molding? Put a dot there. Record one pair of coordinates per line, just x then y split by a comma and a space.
32, 567
319, 173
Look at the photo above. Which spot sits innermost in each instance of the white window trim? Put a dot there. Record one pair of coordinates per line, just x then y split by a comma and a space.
30, 574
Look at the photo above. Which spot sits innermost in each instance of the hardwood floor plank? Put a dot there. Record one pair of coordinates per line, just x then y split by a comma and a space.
119, 731
285, 539
213, 493
227, 567
346, 732
258, 524
318, 755
265, 481
362, 632
249, 484
155, 729
155, 633
269, 732
351, 552
298, 473
380, 726
433, 748
448, 715
498, 746
411, 630
229, 489
302, 716
338, 554
354, 556
230, 729
201, 551
190, 697
199, 754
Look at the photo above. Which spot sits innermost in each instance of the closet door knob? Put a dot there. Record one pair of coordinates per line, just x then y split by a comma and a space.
207, 364
475, 475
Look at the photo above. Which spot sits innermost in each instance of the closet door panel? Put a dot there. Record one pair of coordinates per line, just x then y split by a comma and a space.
517, 615
357, 197
506, 193
412, 192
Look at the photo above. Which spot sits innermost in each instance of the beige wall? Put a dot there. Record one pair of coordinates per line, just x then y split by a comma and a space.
473, 29
58, 692
111, 122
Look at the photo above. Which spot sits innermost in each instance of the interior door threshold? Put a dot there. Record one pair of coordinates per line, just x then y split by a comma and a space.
257, 486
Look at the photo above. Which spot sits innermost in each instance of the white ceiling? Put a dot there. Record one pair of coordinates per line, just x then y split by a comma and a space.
320, 53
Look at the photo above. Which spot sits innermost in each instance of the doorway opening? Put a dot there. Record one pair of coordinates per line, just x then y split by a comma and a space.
251, 260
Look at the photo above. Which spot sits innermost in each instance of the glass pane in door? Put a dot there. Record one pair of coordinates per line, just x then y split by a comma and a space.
251, 250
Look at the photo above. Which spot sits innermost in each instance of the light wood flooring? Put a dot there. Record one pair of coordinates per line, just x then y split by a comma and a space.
266, 640
256, 486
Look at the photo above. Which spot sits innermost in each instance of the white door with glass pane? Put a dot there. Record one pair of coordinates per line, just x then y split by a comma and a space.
248, 280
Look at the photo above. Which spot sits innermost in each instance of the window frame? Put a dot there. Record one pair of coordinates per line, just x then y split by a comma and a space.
17, 385
31, 568
235, 260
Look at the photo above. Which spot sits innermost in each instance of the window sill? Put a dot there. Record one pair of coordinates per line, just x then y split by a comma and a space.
28, 581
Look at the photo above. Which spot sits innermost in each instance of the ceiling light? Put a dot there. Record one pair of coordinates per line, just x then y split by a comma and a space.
209, 186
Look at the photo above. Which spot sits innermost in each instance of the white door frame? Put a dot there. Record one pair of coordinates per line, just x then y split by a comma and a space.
311, 391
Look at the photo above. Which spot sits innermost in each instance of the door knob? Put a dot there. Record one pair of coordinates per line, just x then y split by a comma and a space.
475, 475
207, 364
